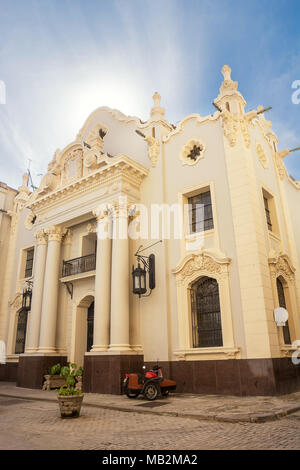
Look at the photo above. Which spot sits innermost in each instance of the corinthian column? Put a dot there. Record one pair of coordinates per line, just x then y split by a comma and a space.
32, 342
119, 333
50, 294
102, 281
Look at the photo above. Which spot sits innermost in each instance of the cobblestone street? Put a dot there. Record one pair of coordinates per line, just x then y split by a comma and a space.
37, 425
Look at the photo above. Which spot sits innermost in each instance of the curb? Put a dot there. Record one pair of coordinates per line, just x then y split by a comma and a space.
259, 418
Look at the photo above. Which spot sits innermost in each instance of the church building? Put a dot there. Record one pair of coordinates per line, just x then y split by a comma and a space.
148, 242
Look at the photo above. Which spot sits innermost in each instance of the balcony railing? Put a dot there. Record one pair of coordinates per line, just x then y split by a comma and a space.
79, 265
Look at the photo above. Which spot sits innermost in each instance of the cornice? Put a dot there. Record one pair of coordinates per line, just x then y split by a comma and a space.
121, 166
191, 117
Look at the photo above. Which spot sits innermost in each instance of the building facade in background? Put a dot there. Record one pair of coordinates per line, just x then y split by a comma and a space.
215, 190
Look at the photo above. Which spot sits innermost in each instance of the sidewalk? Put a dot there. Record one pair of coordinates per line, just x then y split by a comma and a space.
202, 407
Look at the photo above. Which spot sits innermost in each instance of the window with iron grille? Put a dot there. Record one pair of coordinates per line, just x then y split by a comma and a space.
90, 327
206, 315
29, 262
268, 214
21, 332
282, 303
200, 212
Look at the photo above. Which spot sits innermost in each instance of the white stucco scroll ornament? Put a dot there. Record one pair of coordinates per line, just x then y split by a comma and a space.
50, 180
261, 155
153, 149
281, 316
30, 220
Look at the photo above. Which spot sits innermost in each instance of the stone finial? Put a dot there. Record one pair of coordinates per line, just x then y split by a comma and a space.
24, 190
156, 99
157, 112
226, 71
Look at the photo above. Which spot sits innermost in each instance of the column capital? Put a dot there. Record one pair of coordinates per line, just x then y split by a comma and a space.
101, 212
41, 237
55, 233
120, 207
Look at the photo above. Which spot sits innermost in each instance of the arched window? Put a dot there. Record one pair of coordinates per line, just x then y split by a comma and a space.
282, 303
206, 315
90, 327
21, 332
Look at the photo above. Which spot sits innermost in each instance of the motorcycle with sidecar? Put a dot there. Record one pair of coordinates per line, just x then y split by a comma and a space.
151, 384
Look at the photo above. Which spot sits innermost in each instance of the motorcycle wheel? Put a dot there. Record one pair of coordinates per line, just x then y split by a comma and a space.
132, 394
150, 391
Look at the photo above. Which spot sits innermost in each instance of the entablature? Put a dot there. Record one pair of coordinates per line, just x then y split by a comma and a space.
122, 169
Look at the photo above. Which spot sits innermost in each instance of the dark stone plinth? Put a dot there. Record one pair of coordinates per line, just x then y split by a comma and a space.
32, 369
242, 377
9, 372
105, 373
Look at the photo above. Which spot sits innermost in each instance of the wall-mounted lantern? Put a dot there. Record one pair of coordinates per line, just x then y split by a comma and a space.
139, 280
27, 295
139, 274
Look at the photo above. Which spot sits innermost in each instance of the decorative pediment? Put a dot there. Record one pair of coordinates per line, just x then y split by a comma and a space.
203, 264
71, 165
281, 266
120, 172
16, 303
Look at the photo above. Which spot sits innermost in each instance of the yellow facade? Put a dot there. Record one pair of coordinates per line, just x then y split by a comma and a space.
250, 249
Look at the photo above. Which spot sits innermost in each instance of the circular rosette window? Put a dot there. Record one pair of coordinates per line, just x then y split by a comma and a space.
192, 152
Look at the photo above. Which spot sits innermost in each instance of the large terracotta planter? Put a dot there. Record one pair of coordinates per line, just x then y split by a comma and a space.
70, 405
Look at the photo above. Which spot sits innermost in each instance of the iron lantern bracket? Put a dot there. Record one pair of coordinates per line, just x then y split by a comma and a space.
149, 265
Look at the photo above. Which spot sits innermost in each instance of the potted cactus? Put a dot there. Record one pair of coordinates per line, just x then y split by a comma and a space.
69, 395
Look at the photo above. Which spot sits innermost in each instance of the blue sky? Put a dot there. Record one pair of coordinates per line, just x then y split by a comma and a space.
60, 60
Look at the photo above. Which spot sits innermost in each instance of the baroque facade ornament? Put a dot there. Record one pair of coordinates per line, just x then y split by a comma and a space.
30, 220
245, 131
41, 237
281, 266
230, 127
122, 167
191, 117
153, 149
55, 233
16, 303
204, 264
280, 166
72, 166
192, 152
262, 155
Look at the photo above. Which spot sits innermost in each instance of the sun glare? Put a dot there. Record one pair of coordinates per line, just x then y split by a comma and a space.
128, 99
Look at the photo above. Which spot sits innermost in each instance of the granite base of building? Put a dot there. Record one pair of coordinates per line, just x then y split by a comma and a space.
105, 373
9, 372
243, 377
32, 369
